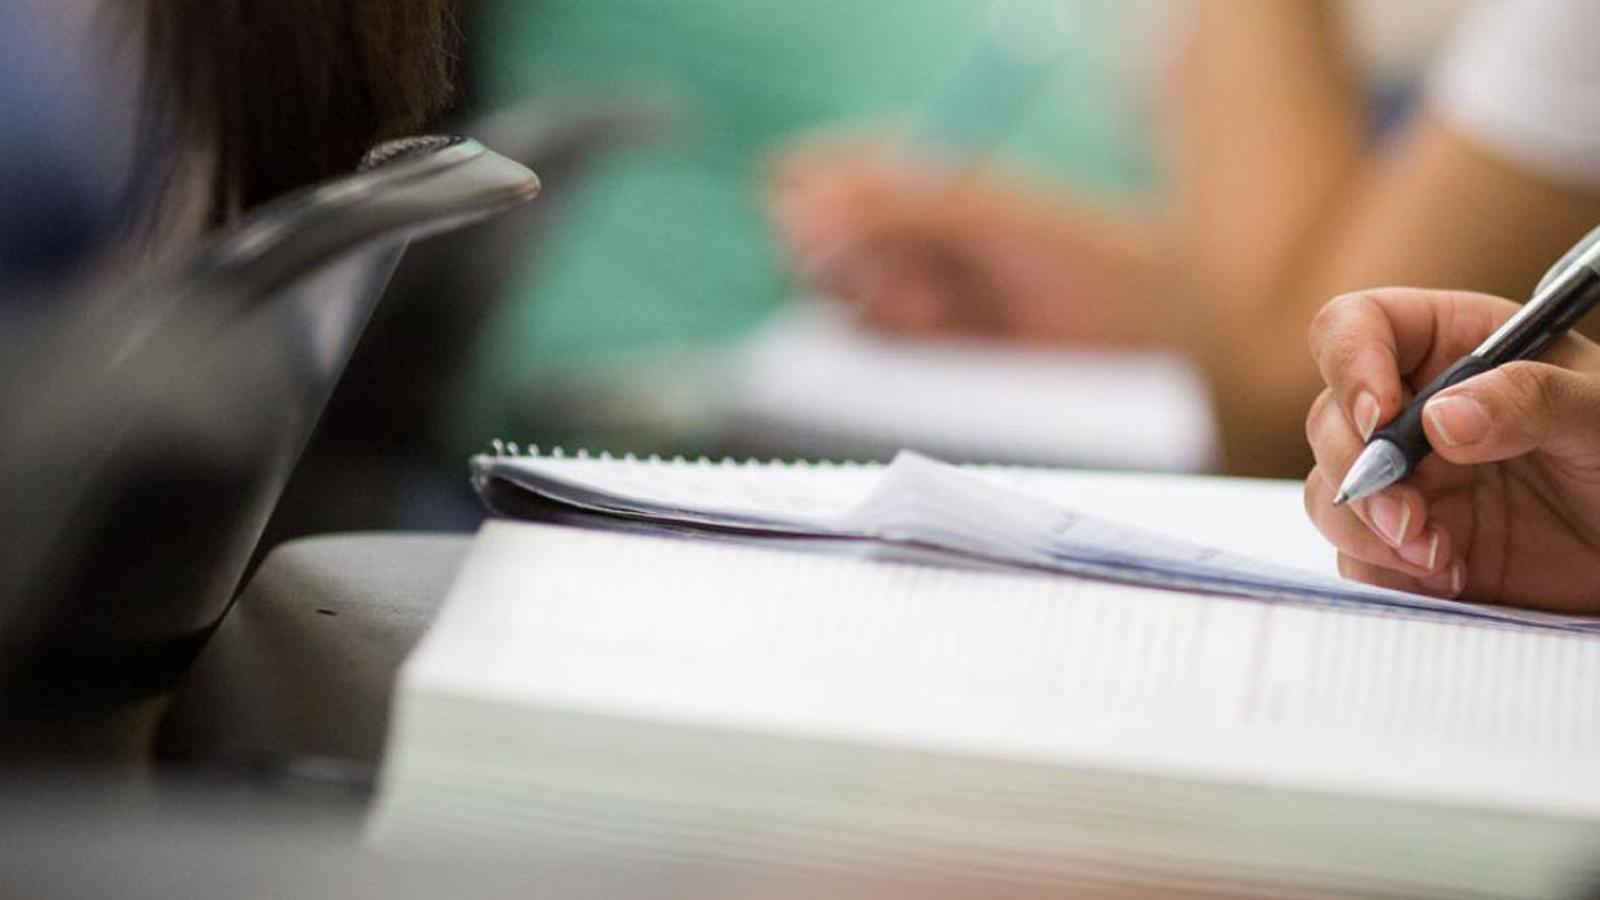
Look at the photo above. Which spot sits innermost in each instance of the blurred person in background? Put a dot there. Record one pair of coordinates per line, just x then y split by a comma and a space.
133, 127
1279, 197
661, 249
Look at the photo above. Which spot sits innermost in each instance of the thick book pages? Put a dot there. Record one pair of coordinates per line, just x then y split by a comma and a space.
625, 697
962, 515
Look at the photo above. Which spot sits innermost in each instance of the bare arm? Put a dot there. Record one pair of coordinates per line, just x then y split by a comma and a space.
1268, 134
1281, 207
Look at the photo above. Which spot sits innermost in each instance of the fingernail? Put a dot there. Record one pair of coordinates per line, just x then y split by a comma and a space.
1390, 517
1458, 579
1422, 552
1367, 412
1458, 419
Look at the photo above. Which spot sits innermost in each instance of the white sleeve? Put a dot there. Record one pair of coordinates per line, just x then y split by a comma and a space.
1522, 79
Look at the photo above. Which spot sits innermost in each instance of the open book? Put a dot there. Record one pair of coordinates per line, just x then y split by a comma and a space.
972, 712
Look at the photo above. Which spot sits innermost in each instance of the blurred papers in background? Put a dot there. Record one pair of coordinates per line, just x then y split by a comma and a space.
628, 329
811, 385
665, 250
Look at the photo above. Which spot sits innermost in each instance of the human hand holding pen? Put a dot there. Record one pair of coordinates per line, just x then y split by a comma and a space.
1507, 509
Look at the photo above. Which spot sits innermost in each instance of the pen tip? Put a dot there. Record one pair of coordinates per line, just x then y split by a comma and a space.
1341, 498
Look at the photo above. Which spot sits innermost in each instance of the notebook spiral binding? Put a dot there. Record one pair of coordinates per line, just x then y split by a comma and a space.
501, 449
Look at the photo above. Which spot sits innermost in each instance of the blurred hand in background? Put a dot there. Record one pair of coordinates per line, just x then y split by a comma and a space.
1279, 196
927, 252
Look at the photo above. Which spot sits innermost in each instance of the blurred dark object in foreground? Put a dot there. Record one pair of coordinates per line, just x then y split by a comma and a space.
147, 432
386, 454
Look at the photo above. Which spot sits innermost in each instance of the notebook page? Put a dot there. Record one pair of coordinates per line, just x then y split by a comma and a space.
1260, 518
933, 505
789, 498
926, 502
1263, 517
1021, 667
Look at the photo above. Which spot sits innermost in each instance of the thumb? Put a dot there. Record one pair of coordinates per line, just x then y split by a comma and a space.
1517, 409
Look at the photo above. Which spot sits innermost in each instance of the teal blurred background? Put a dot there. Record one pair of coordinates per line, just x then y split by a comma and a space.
665, 246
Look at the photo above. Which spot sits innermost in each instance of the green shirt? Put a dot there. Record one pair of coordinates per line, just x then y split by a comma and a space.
666, 245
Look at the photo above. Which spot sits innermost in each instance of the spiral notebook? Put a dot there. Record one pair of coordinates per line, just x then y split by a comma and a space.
960, 515
738, 709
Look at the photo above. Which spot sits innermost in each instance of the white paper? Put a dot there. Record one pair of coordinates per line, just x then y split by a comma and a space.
812, 383
1019, 666
920, 501
643, 698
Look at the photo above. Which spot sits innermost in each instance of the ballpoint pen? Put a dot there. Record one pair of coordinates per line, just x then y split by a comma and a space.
1566, 293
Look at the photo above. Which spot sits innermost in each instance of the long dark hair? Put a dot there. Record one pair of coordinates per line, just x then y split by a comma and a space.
281, 93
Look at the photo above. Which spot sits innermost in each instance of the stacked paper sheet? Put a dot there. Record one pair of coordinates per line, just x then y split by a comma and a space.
625, 697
